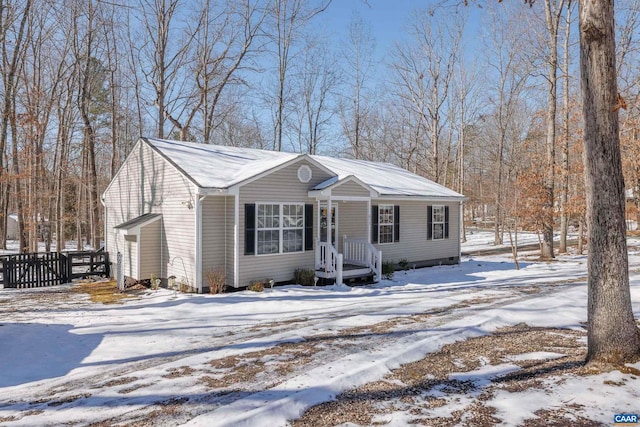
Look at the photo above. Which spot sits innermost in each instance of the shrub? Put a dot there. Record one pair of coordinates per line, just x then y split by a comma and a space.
183, 286
217, 280
304, 276
155, 282
256, 285
388, 268
403, 263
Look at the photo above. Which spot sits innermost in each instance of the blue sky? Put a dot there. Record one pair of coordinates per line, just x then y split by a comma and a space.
388, 18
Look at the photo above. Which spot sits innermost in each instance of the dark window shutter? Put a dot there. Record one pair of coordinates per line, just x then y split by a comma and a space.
446, 222
396, 223
249, 229
308, 227
374, 224
429, 222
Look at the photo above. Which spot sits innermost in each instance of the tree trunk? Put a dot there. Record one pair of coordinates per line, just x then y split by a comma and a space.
613, 336
553, 12
564, 197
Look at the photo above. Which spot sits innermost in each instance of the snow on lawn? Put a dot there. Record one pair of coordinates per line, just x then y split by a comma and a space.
167, 358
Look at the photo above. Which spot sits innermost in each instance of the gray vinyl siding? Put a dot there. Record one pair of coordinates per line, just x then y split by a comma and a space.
129, 249
352, 189
281, 186
150, 246
352, 221
217, 235
147, 183
413, 245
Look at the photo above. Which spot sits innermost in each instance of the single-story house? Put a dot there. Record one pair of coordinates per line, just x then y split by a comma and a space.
182, 209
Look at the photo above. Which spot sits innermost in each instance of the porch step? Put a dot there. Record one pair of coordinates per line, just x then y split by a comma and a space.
349, 271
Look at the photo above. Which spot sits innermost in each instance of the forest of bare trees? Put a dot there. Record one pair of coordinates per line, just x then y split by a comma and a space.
485, 101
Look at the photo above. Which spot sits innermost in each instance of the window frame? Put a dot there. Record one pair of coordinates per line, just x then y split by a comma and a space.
298, 225
440, 210
388, 211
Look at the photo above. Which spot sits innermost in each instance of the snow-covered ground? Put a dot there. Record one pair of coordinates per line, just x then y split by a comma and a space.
166, 358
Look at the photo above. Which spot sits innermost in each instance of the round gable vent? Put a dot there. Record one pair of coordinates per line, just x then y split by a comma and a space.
304, 173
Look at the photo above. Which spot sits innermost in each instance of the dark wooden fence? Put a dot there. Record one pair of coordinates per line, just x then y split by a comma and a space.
36, 270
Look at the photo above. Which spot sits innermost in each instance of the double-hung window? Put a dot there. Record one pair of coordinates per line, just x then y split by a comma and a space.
385, 224
279, 228
438, 223
292, 228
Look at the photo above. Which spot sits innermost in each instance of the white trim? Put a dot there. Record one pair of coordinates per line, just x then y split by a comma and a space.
280, 228
199, 200
369, 221
138, 241
393, 223
328, 190
333, 207
433, 199
134, 231
433, 222
329, 220
236, 238
289, 162
460, 226
304, 174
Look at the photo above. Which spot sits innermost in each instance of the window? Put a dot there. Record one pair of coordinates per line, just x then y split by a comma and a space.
292, 227
279, 228
268, 227
438, 222
385, 224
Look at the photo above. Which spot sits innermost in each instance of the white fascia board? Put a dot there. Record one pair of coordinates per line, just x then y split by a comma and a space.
435, 199
212, 191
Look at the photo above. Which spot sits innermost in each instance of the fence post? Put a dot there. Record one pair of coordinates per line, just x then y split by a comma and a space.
107, 265
5, 272
69, 267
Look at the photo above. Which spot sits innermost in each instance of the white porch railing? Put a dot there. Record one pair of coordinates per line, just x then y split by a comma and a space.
362, 252
329, 260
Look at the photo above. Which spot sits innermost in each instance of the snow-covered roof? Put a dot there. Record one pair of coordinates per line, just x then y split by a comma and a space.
215, 166
385, 178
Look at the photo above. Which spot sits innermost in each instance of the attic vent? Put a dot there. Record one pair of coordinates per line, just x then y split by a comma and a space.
304, 173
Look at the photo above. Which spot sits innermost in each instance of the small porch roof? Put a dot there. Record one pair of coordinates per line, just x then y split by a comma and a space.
325, 188
133, 226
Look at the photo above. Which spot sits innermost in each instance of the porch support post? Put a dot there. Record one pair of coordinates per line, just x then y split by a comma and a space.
339, 270
329, 220
368, 233
318, 247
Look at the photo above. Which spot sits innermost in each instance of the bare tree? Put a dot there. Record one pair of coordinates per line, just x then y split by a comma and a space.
424, 70
288, 19
553, 12
359, 62
10, 16
564, 183
165, 54
316, 80
505, 51
613, 336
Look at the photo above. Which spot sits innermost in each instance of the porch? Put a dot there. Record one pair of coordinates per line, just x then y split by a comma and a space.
358, 259
344, 208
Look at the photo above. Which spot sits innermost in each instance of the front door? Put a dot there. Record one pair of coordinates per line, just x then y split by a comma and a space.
323, 224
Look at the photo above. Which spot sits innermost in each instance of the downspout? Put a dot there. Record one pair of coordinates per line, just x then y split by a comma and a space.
199, 200
460, 228
236, 239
